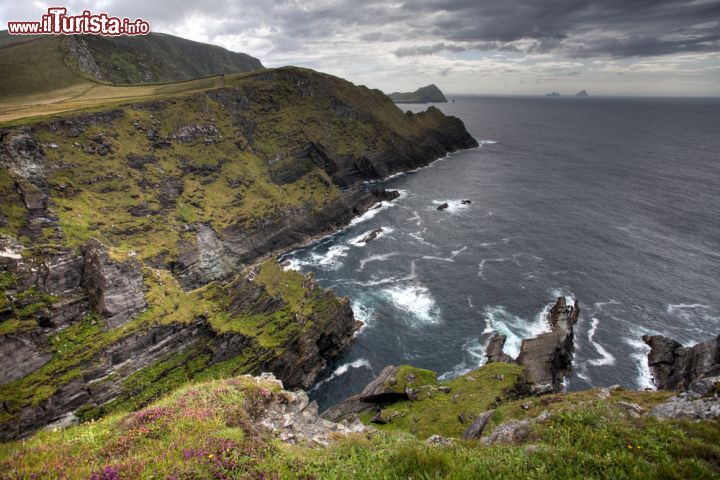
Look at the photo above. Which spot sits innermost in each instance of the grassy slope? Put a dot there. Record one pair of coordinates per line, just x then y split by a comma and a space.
39, 78
160, 57
207, 431
36, 66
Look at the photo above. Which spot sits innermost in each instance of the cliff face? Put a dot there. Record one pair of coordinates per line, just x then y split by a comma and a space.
130, 237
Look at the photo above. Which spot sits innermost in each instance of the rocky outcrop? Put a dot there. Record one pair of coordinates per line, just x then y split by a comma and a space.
513, 432
494, 351
547, 358
686, 408
475, 430
21, 354
23, 157
115, 289
675, 367
293, 419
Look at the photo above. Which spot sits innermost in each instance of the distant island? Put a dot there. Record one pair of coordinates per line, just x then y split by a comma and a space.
430, 93
581, 93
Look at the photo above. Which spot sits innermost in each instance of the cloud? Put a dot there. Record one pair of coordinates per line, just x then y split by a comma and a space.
383, 43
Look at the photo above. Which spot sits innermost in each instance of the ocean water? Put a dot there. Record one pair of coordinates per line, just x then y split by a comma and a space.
615, 202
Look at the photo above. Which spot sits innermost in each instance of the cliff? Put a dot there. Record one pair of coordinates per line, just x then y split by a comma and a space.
134, 238
427, 94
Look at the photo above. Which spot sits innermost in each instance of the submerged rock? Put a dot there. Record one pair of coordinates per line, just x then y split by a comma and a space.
372, 235
443, 206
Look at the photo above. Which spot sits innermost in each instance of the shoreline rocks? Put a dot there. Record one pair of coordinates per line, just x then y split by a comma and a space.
547, 358
675, 367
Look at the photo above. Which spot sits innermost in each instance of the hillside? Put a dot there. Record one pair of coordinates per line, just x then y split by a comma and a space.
41, 72
250, 428
131, 237
427, 94
155, 58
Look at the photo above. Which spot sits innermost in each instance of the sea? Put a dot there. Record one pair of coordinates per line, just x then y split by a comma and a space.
614, 202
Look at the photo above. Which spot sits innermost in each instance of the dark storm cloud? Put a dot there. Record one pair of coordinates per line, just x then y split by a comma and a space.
574, 28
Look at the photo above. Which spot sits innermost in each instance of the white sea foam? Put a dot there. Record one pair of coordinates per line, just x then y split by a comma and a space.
358, 241
363, 313
484, 261
416, 300
473, 357
563, 292
454, 206
690, 313
375, 258
487, 142
498, 319
606, 358
451, 258
343, 369
415, 218
643, 379
418, 236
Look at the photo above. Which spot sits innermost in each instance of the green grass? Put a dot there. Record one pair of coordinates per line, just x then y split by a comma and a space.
439, 413
209, 429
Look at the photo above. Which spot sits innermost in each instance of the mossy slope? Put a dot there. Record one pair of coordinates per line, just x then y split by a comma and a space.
207, 431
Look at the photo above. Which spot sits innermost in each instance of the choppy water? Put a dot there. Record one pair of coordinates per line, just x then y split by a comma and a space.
613, 201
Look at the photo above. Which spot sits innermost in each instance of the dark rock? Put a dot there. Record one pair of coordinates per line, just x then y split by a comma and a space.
23, 157
379, 419
380, 390
444, 389
116, 290
475, 430
704, 386
348, 408
372, 235
547, 358
22, 354
443, 206
675, 367
466, 202
494, 351
138, 162
465, 417
411, 394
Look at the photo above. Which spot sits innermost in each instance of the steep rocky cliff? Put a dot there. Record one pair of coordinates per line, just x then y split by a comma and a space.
133, 238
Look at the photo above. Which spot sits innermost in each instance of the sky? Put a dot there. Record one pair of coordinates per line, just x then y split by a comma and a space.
609, 47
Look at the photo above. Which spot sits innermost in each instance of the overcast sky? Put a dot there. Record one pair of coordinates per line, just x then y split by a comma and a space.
627, 47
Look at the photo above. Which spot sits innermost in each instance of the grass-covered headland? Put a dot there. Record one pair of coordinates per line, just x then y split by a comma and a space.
214, 430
